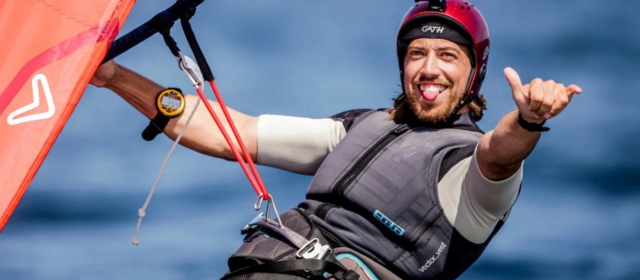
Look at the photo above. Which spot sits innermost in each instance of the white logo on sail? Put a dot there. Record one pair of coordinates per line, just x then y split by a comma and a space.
12, 120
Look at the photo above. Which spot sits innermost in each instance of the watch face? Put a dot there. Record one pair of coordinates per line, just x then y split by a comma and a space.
171, 101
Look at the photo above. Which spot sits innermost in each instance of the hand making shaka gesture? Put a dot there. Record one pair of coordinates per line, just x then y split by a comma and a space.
539, 100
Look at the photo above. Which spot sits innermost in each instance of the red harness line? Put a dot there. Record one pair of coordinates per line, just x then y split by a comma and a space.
252, 175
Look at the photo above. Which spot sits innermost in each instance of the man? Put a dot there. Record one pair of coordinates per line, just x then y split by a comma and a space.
416, 191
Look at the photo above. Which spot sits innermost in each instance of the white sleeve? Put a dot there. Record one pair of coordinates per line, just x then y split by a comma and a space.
473, 203
297, 144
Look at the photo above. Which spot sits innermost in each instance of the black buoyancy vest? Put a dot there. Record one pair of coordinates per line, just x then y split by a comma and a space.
377, 192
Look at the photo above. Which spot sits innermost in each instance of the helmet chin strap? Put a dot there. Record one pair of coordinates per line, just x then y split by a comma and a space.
463, 102
466, 99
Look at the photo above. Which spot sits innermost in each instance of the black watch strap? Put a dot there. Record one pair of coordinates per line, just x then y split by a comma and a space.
155, 127
170, 103
531, 126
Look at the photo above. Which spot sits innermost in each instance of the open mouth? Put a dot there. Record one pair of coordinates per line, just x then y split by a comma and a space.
431, 91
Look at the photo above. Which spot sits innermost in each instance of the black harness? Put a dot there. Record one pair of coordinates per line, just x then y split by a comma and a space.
296, 250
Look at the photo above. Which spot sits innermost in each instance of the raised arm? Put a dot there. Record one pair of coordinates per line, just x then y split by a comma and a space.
202, 135
502, 151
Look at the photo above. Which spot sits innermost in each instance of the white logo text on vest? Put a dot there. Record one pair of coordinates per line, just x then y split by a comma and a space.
433, 258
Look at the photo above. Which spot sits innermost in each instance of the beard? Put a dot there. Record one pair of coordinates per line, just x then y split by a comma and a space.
431, 113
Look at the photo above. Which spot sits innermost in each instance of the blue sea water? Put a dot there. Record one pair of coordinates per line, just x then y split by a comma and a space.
576, 218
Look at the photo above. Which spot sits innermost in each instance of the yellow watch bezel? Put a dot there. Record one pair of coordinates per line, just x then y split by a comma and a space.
168, 111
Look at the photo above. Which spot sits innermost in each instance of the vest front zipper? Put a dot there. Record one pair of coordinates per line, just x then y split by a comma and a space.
359, 166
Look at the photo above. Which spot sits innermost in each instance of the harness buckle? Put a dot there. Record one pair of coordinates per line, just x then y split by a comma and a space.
313, 250
251, 224
190, 67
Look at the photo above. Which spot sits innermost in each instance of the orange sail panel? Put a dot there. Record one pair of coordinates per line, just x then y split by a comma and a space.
49, 52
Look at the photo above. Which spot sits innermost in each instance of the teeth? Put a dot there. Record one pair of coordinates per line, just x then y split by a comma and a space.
432, 88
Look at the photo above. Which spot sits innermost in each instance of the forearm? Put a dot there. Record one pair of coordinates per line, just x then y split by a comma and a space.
202, 135
137, 90
501, 151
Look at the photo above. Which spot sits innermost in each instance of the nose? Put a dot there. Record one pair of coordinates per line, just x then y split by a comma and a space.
430, 68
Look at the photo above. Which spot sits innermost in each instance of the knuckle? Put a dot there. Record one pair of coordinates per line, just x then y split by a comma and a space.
550, 97
550, 85
563, 98
536, 97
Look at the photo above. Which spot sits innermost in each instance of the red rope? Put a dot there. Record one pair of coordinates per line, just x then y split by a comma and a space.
256, 182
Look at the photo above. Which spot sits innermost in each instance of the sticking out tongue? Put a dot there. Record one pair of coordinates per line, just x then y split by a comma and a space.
430, 95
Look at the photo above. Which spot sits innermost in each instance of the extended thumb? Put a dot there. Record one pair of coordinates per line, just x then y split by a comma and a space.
514, 81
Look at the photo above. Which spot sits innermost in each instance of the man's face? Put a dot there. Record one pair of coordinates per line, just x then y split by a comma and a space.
436, 72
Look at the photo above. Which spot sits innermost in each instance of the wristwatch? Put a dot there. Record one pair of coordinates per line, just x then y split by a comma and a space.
170, 104
531, 126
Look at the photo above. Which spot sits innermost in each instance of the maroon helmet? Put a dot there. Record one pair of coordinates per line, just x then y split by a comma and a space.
462, 15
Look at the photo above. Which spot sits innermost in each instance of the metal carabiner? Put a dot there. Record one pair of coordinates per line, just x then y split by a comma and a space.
258, 204
271, 203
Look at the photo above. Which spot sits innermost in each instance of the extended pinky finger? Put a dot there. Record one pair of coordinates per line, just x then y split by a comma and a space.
574, 89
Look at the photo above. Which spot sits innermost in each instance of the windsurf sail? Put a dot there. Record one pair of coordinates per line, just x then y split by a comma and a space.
50, 50
44, 70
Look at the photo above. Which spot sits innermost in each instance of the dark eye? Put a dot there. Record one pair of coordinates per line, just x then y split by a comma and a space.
449, 55
416, 53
